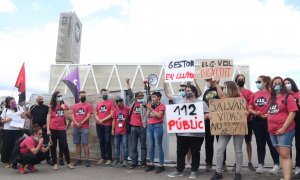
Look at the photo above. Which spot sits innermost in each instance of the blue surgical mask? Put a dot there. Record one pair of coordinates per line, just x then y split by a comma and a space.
277, 88
140, 100
259, 86
288, 86
181, 93
59, 99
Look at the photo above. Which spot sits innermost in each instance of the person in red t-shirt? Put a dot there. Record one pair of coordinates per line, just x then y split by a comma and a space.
281, 125
258, 107
120, 115
81, 114
103, 114
32, 151
57, 114
246, 93
293, 89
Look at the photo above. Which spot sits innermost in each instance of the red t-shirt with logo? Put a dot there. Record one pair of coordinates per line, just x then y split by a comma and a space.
153, 119
27, 144
136, 118
260, 100
279, 112
80, 112
103, 109
120, 116
57, 121
247, 94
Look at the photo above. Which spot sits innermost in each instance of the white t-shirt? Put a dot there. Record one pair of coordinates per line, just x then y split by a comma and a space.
7, 113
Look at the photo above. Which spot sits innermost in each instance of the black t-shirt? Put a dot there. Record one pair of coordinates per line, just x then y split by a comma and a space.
39, 114
209, 94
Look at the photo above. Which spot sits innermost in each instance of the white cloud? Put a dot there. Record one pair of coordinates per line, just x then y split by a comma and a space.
7, 6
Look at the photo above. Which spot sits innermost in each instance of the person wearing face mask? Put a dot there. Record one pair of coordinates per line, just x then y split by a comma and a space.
81, 114
104, 111
33, 151
258, 107
120, 115
292, 88
38, 113
138, 126
281, 125
156, 113
192, 141
246, 93
213, 91
10, 134
57, 129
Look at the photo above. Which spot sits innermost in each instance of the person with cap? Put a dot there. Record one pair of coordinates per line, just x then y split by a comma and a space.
155, 131
120, 115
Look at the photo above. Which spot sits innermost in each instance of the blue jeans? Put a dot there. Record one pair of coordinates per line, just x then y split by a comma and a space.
284, 140
136, 133
260, 128
104, 133
118, 139
155, 134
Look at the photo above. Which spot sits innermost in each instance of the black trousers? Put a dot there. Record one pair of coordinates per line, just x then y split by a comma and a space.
184, 143
297, 138
29, 158
8, 143
209, 144
61, 137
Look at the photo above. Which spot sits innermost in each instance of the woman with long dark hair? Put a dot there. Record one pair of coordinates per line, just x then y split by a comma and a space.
57, 115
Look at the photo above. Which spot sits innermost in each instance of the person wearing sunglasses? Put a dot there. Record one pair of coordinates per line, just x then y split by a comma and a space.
258, 107
120, 115
33, 151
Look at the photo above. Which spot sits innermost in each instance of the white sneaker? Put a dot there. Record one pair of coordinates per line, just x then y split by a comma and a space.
260, 168
275, 169
193, 175
297, 170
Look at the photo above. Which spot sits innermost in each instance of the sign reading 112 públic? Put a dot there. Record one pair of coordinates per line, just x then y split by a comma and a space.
185, 118
181, 70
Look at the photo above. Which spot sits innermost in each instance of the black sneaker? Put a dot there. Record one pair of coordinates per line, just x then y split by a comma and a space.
297, 176
49, 162
132, 166
250, 166
159, 169
143, 164
61, 162
217, 176
149, 168
87, 163
237, 176
77, 162
208, 167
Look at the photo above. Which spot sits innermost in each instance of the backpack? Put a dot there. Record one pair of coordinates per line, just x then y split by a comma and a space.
16, 154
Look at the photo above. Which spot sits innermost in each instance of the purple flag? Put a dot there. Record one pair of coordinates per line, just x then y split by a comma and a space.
73, 82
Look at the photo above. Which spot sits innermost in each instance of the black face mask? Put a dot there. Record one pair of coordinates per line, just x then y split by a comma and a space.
83, 99
41, 102
241, 83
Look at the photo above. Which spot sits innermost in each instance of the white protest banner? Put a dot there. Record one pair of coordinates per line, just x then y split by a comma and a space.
178, 71
17, 122
185, 118
216, 69
228, 116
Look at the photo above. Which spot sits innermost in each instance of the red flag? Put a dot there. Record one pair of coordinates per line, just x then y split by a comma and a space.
21, 85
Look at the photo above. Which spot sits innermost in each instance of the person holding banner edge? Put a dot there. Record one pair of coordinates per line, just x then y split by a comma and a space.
192, 141
231, 91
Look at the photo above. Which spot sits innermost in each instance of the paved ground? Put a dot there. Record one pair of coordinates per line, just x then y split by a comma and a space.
45, 172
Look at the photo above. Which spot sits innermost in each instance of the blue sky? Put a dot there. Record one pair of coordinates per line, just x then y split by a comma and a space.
261, 33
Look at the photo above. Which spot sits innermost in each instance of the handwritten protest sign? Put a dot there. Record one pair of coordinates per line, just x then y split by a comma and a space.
185, 118
228, 116
216, 69
177, 71
17, 122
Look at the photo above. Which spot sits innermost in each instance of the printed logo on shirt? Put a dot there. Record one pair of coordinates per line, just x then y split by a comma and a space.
262, 101
211, 95
274, 109
59, 112
103, 109
137, 110
80, 111
120, 116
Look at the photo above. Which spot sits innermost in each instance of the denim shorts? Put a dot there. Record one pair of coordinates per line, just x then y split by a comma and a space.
80, 135
284, 140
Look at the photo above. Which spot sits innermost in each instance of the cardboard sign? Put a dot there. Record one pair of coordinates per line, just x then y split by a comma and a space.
228, 116
216, 69
178, 71
185, 118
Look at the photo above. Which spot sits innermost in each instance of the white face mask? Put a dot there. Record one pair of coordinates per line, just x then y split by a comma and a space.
288, 86
59, 99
